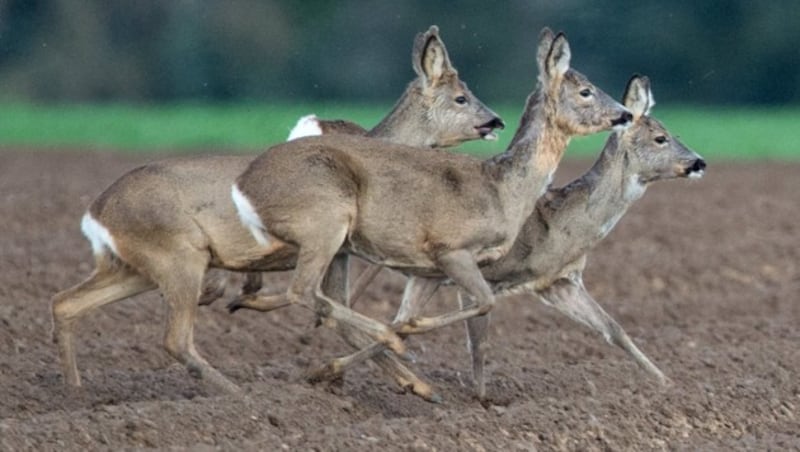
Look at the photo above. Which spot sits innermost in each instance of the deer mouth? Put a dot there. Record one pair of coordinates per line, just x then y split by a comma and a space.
486, 131
696, 170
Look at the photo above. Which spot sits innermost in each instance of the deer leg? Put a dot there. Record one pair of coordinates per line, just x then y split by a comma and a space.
216, 282
462, 269
477, 332
253, 281
259, 302
213, 287
417, 293
363, 281
107, 284
571, 298
314, 258
180, 281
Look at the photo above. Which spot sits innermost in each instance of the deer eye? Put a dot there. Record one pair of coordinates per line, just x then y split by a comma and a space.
586, 92
661, 139
461, 100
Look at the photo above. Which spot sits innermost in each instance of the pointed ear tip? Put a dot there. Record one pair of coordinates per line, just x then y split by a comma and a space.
433, 30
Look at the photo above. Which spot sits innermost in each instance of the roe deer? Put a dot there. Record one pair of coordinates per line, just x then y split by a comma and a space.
163, 224
436, 110
550, 252
439, 217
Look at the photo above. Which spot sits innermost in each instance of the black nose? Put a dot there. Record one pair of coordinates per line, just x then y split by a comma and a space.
496, 123
624, 119
698, 165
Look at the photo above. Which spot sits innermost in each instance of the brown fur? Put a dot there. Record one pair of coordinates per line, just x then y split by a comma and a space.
173, 219
403, 213
549, 255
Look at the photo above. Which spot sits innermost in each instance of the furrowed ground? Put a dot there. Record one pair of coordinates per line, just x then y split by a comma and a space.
702, 274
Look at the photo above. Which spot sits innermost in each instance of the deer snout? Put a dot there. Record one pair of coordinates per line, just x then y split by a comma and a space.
485, 130
623, 121
697, 169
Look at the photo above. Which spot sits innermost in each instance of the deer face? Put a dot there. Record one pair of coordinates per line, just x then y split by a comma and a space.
651, 152
655, 154
456, 115
451, 112
585, 109
580, 107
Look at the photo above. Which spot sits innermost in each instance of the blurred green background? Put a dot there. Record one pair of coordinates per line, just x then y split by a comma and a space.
214, 75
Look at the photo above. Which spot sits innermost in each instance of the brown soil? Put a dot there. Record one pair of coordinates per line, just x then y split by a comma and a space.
703, 275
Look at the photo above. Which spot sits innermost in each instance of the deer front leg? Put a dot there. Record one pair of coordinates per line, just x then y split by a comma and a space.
364, 279
569, 296
417, 293
462, 269
477, 333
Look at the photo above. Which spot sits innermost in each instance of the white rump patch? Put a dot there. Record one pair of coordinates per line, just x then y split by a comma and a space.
307, 126
249, 216
98, 235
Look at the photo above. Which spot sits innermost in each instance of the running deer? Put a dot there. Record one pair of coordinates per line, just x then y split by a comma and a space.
549, 255
162, 225
437, 110
440, 217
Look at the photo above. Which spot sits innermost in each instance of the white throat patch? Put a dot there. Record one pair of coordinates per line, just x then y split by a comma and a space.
634, 188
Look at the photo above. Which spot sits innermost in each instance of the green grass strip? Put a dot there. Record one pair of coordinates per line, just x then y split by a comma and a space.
714, 132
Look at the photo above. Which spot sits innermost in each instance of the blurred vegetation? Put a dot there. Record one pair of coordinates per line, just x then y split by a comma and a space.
155, 51
714, 132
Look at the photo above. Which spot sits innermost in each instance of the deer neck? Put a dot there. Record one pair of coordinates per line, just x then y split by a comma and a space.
525, 170
405, 124
593, 204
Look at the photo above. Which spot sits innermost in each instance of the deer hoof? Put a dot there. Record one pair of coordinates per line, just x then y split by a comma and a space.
235, 305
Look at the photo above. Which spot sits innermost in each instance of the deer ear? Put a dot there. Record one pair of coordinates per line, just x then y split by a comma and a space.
429, 58
546, 37
638, 96
557, 63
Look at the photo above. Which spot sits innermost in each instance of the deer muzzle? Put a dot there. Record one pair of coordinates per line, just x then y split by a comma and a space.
696, 170
486, 131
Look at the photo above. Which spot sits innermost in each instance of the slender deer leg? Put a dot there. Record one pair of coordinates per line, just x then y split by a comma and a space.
461, 268
314, 257
181, 285
417, 293
259, 302
216, 282
253, 281
477, 332
213, 287
571, 298
106, 285
363, 281
335, 285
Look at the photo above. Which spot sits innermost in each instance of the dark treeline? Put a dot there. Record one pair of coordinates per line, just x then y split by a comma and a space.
695, 51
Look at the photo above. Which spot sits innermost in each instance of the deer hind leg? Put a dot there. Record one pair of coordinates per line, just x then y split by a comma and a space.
214, 285
180, 278
477, 333
571, 298
418, 292
216, 282
108, 283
